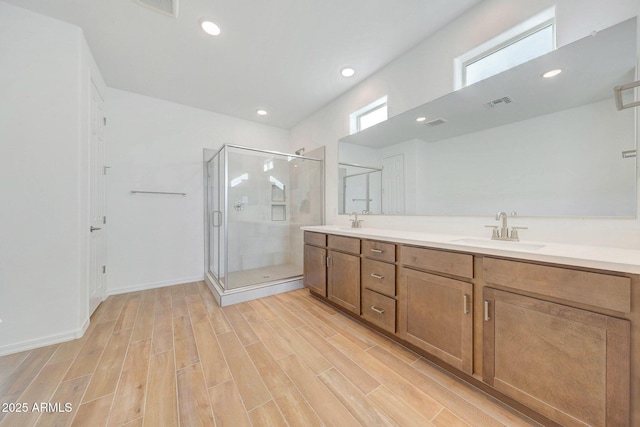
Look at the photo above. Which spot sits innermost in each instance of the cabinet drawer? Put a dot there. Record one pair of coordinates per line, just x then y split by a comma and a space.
344, 244
439, 261
596, 289
379, 250
379, 310
315, 239
379, 276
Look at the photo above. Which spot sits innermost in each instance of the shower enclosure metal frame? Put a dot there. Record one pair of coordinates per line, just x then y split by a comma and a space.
223, 244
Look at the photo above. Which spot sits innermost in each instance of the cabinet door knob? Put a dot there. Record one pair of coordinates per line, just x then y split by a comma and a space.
465, 302
376, 251
377, 276
376, 309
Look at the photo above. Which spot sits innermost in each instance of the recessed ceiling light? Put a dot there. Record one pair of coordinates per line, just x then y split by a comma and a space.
347, 72
261, 112
421, 119
552, 73
209, 27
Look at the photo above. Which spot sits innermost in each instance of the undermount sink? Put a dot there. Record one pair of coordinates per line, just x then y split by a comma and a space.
499, 244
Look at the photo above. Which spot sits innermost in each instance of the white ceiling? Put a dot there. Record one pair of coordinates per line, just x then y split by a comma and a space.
280, 55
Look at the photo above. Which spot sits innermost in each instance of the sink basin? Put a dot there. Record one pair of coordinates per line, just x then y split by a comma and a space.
499, 244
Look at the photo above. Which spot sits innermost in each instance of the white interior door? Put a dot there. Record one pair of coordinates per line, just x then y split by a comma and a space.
393, 184
97, 220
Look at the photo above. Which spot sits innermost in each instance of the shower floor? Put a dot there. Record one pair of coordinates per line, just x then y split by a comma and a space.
254, 276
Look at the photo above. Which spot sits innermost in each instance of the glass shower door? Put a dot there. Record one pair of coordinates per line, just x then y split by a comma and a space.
215, 200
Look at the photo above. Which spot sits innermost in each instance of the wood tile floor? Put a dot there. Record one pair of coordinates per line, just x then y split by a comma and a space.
172, 357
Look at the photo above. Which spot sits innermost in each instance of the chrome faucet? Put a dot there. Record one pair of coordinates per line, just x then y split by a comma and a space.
355, 223
502, 232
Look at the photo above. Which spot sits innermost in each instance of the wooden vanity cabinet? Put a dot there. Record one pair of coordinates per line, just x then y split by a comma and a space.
343, 272
435, 313
554, 341
315, 262
568, 364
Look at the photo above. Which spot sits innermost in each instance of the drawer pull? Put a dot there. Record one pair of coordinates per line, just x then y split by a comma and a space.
466, 304
377, 276
376, 309
377, 251
486, 311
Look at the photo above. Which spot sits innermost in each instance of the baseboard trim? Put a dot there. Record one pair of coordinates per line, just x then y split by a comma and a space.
45, 341
154, 285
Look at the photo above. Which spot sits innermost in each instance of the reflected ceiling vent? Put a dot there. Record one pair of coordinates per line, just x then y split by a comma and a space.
167, 7
435, 122
498, 102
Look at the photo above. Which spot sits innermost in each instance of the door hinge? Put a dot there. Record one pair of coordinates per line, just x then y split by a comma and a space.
104, 169
104, 120
104, 269
104, 219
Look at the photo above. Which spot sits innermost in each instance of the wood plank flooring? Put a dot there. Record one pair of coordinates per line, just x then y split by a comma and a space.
172, 357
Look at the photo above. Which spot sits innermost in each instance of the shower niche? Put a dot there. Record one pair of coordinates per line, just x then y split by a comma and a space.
255, 203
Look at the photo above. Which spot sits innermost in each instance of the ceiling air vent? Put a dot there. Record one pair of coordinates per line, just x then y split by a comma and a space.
167, 7
498, 102
435, 122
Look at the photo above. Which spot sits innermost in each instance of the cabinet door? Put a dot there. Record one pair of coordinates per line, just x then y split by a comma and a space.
568, 364
344, 280
315, 269
435, 314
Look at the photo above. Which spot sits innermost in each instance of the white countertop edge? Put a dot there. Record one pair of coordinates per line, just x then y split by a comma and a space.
597, 257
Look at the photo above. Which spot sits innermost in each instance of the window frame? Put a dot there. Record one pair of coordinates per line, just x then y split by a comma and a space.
356, 117
515, 34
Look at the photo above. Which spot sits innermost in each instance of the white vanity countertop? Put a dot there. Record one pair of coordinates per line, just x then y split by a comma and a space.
600, 257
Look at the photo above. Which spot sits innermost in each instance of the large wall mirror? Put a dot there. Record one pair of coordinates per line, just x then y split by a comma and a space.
512, 142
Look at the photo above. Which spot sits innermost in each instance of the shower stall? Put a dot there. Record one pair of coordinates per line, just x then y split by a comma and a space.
360, 189
255, 203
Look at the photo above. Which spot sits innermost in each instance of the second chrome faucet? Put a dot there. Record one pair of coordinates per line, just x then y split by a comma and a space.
502, 232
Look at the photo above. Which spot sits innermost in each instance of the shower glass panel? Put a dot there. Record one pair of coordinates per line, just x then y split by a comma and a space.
256, 203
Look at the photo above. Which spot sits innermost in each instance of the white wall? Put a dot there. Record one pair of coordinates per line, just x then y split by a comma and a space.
427, 72
44, 70
154, 145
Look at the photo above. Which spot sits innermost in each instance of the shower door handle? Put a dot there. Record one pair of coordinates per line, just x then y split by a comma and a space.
218, 215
